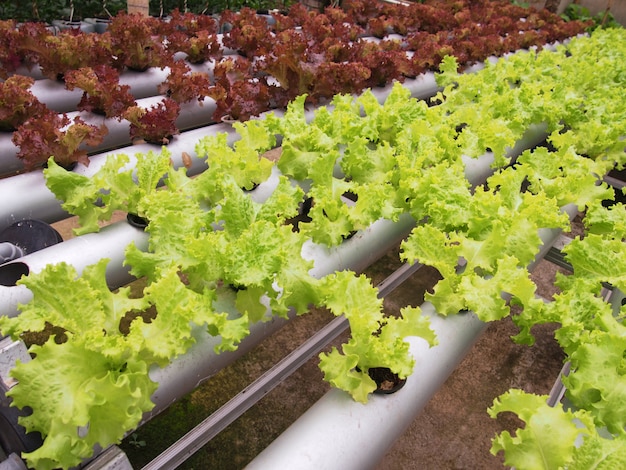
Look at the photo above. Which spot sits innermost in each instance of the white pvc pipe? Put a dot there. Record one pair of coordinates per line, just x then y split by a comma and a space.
187, 372
85, 250
80, 252
339, 433
142, 85
26, 196
192, 114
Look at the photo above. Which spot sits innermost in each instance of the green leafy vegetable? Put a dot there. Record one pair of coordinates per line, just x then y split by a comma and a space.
534, 446
376, 341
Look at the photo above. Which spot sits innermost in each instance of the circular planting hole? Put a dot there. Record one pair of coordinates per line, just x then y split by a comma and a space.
10, 273
387, 381
136, 221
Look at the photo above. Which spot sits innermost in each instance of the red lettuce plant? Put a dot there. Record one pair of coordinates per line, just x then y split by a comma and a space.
297, 15
137, 41
103, 93
245, 99
334, 78
10, 58
191, 23
361, 11
287, 20
195, 35
301, 69
386, 61
51, 134
239, 94
292, 63
156, 125
17, 103
29, 33
249, 34
334, 23
199, 46
434, 16
381, 26
182, 85
71, 49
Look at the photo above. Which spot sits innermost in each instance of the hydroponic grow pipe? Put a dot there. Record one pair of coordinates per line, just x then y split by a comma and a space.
27, 196
57, 97
13, 462
80, 252
110, 242
192, 115
337, 432
361, 250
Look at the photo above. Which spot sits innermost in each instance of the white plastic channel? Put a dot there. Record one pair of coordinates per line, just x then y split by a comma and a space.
359, 252
55, 96
85, 250
337, 432
79, 252
193, 114
25, 196
211, 426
